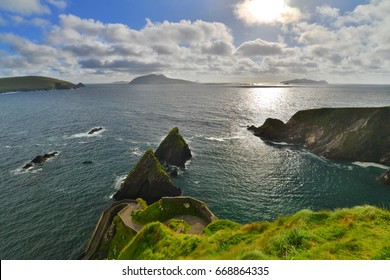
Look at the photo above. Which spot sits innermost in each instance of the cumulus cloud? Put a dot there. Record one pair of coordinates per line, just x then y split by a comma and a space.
339, 45
260, 47
254, 12
25, 7
328, 11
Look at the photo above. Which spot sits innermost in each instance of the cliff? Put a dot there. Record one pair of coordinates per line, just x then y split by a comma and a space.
153, 79
147, 180
33, 83
173, 150
352, 134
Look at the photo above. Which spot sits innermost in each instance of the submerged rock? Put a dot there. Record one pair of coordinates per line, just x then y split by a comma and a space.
354, 134
147, 180
385, 178
94, 130
173, 150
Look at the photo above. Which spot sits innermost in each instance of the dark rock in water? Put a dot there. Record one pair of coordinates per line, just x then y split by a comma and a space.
172, 170
352, 134
39, 159
385, 178
94, 130
27, 166
87, 162
147, 180
173, 150
80, 85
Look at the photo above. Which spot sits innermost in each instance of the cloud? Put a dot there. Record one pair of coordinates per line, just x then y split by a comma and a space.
260, 47
326, 45
327, 11
254, 12
24, 7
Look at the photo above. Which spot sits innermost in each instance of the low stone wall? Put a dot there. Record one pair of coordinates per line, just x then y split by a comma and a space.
204, 211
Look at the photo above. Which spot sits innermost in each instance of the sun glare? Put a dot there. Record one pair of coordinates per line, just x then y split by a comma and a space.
267, 11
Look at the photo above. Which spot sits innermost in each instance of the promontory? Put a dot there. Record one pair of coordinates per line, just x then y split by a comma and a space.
352, 134
34, 83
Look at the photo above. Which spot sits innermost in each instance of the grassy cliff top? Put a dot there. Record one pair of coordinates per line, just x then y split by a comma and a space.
357, 233
31, 83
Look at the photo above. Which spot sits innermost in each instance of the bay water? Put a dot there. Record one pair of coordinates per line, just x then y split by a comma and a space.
50, 211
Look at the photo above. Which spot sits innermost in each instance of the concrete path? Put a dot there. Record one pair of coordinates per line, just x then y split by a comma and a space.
125, 215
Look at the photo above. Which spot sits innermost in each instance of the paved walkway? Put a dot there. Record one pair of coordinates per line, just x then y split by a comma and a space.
125, 215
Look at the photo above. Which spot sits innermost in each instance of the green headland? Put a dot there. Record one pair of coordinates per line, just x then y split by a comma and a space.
34, 83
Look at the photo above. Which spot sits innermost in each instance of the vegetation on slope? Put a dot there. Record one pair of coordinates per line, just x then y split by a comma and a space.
31, 83
154, 79
357, 233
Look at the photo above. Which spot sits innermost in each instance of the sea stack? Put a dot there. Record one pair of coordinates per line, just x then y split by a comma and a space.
147, 180
173, 150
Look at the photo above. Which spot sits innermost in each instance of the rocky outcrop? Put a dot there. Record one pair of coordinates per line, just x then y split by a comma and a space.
39, 159
147, 180
385, 178
173, 150
94, 130
353, 134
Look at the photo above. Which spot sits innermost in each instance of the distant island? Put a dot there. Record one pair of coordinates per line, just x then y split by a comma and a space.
305, 82
154, 79
33, 83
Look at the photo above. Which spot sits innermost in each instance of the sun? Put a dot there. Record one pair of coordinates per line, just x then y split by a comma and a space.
266, 11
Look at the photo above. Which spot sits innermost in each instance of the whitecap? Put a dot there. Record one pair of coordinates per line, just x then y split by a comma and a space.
119, 180
215, 139
196, 182
370, 164
85, 134
136, 151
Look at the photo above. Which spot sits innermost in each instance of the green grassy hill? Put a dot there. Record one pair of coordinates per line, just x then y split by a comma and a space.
31, 83
358, 233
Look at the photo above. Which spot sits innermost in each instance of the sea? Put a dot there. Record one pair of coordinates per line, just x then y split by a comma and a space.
50, 210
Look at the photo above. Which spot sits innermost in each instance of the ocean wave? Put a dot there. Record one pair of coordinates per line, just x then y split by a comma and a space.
87, 135
223, 139
136, 151
119, 180
370, 164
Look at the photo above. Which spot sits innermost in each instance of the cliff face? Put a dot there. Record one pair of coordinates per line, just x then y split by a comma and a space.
361, 134
147, 180
173, 150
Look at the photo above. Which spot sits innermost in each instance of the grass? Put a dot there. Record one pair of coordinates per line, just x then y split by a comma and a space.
358, 233
117, 237
164, 210
30, 83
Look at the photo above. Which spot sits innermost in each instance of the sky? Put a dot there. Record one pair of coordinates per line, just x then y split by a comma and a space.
253, 41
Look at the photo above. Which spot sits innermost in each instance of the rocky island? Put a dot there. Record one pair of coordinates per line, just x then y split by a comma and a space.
154, 79
34, 83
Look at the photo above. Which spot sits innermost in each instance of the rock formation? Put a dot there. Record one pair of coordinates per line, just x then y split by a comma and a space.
173, 150
154, 79
39, 159
94, 130
385, 178
353, 134
147, 180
